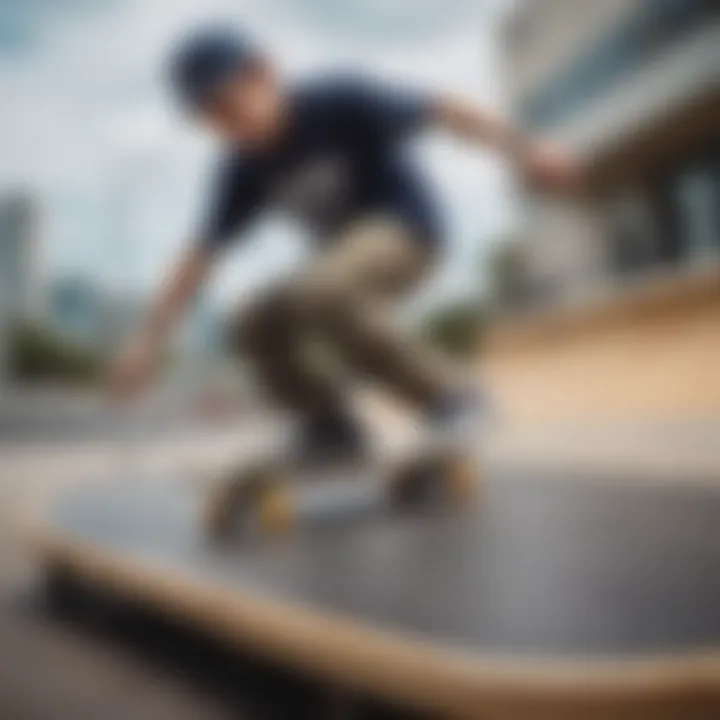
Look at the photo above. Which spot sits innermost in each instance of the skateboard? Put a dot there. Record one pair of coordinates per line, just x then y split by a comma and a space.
557, 595
272, 494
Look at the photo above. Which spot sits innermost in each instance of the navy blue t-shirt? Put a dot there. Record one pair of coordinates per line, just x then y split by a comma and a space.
340, 157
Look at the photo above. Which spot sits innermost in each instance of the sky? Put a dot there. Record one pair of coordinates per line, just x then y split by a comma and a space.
89, 129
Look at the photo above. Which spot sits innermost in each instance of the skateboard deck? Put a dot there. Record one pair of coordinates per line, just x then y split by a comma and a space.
550, 597
271, 493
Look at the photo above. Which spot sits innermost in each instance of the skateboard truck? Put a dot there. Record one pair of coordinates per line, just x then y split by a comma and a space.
271, 497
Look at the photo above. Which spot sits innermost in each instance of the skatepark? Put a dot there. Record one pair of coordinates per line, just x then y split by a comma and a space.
581, 579
567, 566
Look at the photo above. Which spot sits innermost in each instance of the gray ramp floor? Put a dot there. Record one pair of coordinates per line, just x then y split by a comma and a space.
544, 565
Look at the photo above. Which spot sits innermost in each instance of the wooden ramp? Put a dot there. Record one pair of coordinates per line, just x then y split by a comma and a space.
548, 598
649, 354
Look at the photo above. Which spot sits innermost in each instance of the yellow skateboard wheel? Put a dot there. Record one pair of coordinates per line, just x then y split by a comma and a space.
461, 478
274, 509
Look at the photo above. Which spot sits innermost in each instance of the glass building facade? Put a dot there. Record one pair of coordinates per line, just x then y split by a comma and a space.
646, 32
636, 90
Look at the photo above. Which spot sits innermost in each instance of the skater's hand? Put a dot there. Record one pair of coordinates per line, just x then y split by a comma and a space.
133, 368
547, 166
544, 165
137, 362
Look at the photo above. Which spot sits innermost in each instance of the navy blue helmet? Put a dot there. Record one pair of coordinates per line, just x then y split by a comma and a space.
206, 58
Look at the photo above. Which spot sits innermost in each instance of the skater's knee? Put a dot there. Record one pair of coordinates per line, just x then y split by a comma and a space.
311, 301
320, 298
257, 329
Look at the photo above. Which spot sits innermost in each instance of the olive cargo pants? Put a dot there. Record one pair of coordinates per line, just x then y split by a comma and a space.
342, 302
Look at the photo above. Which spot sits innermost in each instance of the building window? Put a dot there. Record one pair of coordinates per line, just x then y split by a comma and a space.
674, 220
633, 236
697, 204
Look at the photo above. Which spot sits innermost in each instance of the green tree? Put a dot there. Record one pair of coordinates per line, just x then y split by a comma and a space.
38, 354
457, 327
508, 275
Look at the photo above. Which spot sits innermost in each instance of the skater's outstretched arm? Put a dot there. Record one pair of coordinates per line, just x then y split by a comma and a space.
138, 358
542, 163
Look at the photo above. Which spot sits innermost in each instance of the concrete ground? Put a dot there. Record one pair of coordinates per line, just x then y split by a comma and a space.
60, 668
52, 668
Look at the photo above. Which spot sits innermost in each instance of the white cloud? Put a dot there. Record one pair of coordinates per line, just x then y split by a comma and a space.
88, 125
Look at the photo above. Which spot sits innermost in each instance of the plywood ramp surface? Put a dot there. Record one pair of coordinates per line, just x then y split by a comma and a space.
648, 356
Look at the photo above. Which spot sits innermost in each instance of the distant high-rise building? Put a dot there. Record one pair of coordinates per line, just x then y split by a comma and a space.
634, 87
74, 308
18, 260
19, 294
88, 314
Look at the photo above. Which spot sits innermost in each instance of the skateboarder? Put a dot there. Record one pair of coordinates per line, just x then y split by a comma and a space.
331, 151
